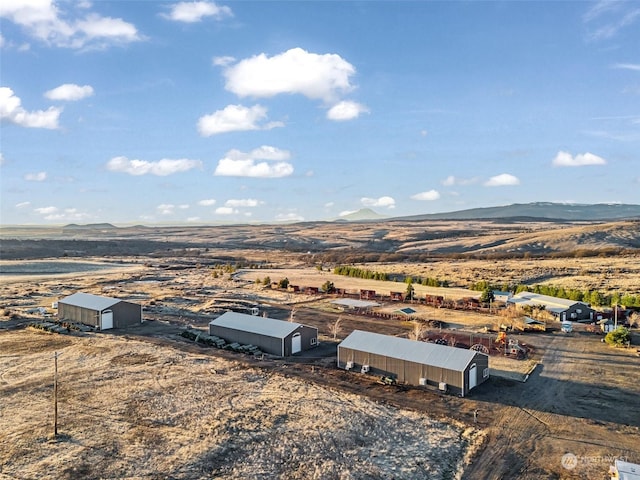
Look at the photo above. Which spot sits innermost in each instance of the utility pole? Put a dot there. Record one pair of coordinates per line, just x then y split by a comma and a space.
55, 394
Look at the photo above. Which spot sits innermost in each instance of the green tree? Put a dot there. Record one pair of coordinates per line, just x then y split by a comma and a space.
618, 338
328, 287
266, 281
409, 292
487, 295
283, 283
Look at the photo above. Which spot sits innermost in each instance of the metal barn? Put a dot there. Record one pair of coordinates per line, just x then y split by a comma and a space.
415, 363
102, 313
277, 337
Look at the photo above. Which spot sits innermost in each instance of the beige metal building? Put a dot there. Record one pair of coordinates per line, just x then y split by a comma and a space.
102, 313
416, 363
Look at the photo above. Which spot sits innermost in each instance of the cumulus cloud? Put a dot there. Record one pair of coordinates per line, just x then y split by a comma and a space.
192, 12
46, 210
160, 168
385, 202
502, 180
346, 110
429, 195
295, 71
234, 118
69, 92
11, 111
71, 27
36, 177
565, 159
226, 211
207, 202
264, 162
346, 213
244, 202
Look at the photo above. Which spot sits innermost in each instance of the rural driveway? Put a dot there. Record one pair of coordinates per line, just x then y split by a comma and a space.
576, 402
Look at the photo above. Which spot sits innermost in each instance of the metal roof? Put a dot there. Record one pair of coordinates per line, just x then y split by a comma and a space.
90, 301
442, 356
353, 303
269, 327
551, 303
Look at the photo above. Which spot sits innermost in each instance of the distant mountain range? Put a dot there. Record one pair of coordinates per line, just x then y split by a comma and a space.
538, 211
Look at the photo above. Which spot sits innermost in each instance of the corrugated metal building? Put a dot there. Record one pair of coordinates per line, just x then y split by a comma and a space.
276, 337
100, 312
414, 363
561, 308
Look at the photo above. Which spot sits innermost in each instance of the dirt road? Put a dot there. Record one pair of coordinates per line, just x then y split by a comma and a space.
577, 402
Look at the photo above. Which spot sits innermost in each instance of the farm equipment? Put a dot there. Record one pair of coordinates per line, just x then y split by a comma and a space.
510, 347
387, 380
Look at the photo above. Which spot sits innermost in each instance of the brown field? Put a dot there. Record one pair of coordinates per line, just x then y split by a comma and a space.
146, 403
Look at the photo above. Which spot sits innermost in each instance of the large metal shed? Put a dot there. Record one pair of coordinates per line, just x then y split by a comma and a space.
276, 337
415, 363
101, 312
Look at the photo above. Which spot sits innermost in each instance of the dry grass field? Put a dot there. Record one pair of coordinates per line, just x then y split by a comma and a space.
146, 403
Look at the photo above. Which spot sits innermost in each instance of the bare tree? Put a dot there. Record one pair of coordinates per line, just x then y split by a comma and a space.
335, 328
418, 331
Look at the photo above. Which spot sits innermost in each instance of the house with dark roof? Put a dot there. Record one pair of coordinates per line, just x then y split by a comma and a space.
277, 337
415, 363
100, 312
561, 308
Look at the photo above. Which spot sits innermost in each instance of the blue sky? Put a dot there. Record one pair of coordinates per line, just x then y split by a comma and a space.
201, 112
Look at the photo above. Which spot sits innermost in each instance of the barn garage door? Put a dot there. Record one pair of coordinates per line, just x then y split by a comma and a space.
473, 376
296, 343
106, 321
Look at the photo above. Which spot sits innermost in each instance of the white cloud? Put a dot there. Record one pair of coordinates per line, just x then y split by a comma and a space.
244, 202
191, 12
223, 61
605, 19
11, 110
23, 204
207, 202
226, 211
289, 217
504, 179
627, 66
295, 71
451, 181
69, 92
166, 208
241, 164
46, 210
346, 110
2, 159
36, 177
386, 202
71, 28
235, 118
193, 219
429, 195
565, 159
160, 168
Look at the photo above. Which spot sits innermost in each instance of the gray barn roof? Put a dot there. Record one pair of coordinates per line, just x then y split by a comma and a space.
441, 356
90, 301
269, 327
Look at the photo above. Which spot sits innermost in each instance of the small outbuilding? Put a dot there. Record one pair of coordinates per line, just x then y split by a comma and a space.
277, 337
100, 312
416, 363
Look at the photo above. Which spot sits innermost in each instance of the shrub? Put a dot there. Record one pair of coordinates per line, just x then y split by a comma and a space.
619, 337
